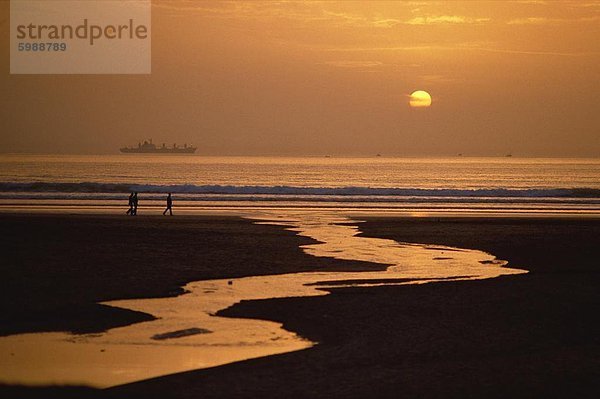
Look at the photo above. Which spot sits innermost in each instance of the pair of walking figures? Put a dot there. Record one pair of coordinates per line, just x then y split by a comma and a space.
133, 205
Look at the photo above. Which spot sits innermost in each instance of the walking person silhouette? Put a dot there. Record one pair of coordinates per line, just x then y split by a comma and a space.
135, 204
169, 205
130, 210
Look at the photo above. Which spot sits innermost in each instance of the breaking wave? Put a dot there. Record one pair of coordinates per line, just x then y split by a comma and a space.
90, 187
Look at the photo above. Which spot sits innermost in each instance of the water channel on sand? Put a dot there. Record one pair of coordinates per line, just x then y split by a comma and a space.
186, 335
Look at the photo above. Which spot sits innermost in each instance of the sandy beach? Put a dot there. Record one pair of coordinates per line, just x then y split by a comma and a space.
524, 335
300, 199
60, 266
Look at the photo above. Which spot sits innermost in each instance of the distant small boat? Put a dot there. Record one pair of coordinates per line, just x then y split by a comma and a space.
508, 155
149, 148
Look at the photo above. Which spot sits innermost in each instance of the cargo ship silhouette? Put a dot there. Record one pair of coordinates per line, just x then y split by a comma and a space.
149, 148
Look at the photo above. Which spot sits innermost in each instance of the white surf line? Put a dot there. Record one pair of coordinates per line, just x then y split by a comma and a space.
187, 335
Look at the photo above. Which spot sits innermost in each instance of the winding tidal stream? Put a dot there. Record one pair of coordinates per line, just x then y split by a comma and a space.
187, 335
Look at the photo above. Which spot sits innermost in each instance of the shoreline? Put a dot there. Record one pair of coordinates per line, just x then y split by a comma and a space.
347, 311
249, 212
524, 336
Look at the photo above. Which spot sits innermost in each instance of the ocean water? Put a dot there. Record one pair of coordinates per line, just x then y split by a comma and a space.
422, 185
315, 197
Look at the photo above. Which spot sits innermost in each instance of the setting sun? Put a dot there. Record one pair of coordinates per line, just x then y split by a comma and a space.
420, 99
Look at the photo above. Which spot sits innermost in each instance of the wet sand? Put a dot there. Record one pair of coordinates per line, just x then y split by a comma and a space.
524, 336
60, 266
131, 353
533, 335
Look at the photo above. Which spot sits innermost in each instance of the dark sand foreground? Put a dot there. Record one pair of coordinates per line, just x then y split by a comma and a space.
59, 266
534, 335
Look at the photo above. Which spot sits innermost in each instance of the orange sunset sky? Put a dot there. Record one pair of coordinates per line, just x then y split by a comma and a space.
316, 78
